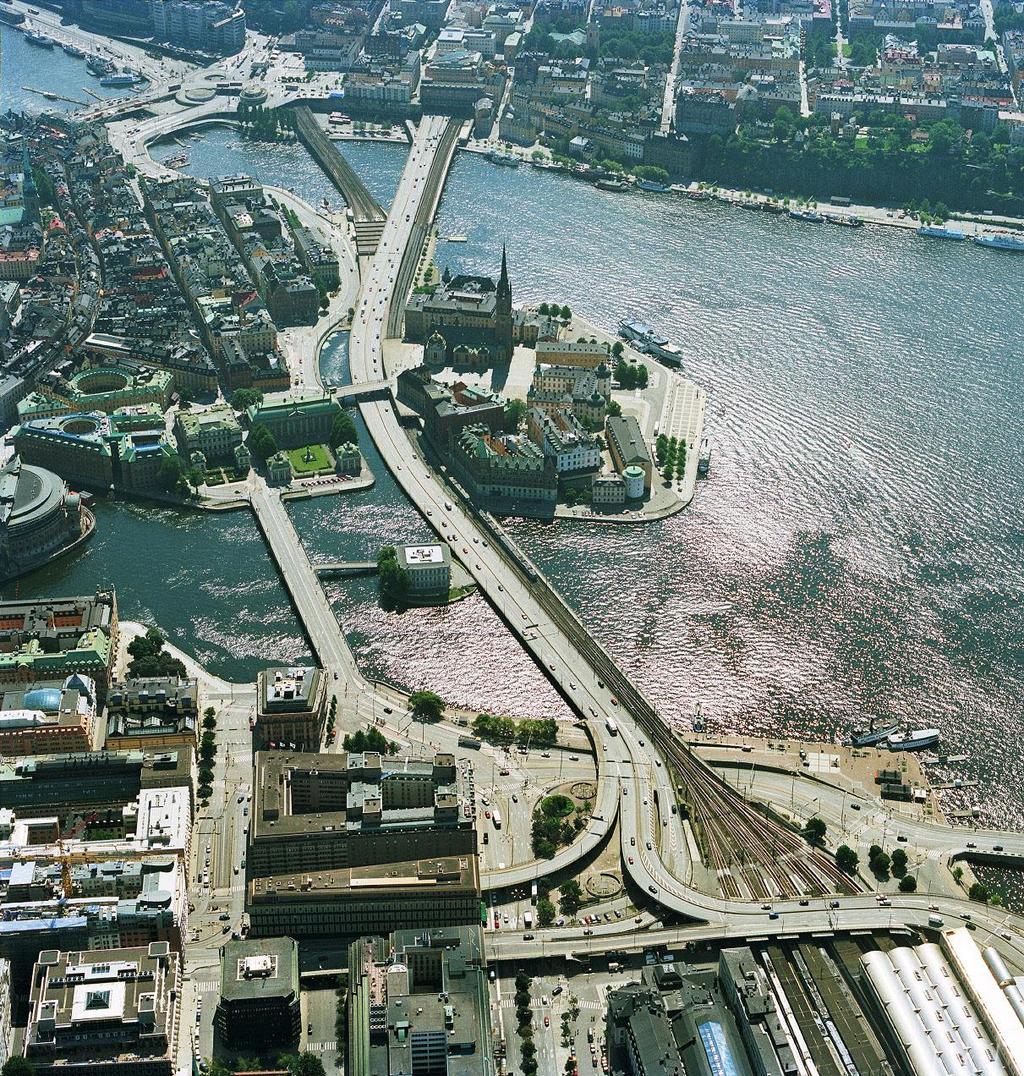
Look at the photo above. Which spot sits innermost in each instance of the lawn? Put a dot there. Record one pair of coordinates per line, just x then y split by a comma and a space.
321, 461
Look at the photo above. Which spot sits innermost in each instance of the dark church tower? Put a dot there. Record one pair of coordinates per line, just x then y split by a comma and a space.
504, 293
503, 313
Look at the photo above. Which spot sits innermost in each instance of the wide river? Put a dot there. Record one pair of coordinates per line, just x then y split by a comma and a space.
857, 550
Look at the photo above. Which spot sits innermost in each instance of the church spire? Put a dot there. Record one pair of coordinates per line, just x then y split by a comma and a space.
504, 290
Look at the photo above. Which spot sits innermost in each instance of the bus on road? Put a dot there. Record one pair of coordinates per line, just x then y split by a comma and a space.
496, 818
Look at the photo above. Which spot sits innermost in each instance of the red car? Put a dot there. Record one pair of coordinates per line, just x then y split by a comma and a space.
487, 814
547, 1021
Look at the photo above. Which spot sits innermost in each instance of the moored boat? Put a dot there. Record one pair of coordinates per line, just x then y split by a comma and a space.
812, 216
871, 735
73, 50
41, 41
610, 185
652, 186
1001, 241
940, 231
917, 740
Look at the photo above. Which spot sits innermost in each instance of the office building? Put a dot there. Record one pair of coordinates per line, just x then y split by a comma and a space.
105, 1012
562, 437
290, 708
199, 25
418, 1003
356, 843
429, 569
296, 419
259, 994
149, 713
214, 432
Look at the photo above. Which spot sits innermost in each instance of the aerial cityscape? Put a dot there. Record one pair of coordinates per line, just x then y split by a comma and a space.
485, 587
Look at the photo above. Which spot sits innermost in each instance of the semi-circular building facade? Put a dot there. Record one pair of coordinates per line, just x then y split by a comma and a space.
39, 517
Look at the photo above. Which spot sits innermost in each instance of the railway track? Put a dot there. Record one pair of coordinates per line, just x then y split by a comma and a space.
773, 861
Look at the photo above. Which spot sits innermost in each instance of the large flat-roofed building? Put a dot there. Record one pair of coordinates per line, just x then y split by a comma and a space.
50, 717
429, 568
628, 448
290, 704
318, 812
418, 1002
67, 784
356, 843
259, 993
107, 1012
372, 899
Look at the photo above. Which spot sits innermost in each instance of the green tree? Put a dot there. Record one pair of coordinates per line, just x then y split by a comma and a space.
979, 893
515, 412
846, 859
545, 912
543, 309
614, 409
879, 863
18, 1066
426, 706
908, 884
304, 1064
566, 313
814, 831
369, 740
343, 430
171, 473
392, 579
209, 721
242, 399
570, 897
617, 349
899, 863
262, 443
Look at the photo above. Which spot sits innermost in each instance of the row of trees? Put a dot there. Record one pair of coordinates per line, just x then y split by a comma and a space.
266, 124
670, 452
524, 1025
888, 167
555, 311
207, 754
570, 900
528, 732
369, 740
332, 717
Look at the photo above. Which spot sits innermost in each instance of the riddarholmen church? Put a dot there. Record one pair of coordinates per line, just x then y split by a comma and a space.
467, 321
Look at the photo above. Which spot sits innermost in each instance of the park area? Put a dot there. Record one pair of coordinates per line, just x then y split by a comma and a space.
311, 460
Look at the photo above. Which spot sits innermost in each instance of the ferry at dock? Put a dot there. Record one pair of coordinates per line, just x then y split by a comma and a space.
610, 185
870, 736
119, 78
509, 160
41, 41
455, 238
645, 339
917, 740
1001, 241
74, 50
652, 186
940, 231
812, 216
